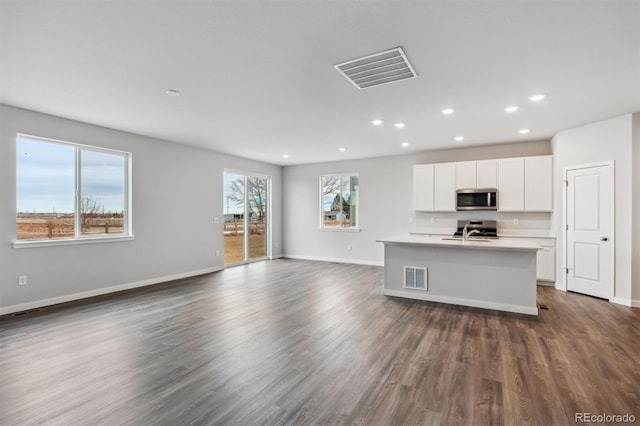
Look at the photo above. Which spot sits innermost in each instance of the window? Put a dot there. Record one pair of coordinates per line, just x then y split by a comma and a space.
66, 191
339, 201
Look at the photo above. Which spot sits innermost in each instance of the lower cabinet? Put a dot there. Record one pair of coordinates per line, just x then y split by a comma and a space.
546, 264
546, 258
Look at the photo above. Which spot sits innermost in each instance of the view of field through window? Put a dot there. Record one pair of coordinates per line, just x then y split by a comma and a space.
339, 200
245, 217
47, 175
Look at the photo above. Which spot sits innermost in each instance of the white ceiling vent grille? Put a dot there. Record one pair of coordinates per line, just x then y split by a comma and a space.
380, 68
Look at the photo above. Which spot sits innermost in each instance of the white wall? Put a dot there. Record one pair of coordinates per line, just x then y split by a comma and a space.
601, 141
485, 152
635, 278
386, 203
177, 192
385, 206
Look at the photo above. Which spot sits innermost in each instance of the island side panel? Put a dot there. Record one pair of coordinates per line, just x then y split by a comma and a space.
493, 279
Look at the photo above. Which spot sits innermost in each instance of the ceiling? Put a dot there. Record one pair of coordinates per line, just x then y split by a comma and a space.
257, 77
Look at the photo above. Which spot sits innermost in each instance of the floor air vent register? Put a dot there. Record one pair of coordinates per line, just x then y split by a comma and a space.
416, 278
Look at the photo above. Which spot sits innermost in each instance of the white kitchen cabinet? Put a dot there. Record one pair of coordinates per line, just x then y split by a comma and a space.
423, 187
545, 258
444, 183
434, 187
487, 174
477, 174
511, 184
465, 175
546, 264
524, 183
538, 189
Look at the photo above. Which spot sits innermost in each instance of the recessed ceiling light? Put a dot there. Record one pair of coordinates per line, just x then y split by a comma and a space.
511, 108
404, 144
376, 122
342, 149
285, 155
538, 97
459, 138
523, 131
448, 111
399, 125
172, 92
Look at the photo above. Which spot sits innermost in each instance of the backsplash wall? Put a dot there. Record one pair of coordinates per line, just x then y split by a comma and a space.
506, 220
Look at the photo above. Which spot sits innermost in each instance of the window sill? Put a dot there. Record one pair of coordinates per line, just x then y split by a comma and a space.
354, 229
88, 240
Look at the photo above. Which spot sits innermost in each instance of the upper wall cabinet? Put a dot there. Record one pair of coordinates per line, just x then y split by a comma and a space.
434, 187
423, 187
525, 184
487, 174
444, 179
538, 181
466, 175
511, 184
477, 174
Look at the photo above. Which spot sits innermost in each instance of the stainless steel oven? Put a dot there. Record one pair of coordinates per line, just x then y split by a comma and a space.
477, 199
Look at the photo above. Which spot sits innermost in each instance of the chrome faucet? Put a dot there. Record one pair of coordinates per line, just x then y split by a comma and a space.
465, 233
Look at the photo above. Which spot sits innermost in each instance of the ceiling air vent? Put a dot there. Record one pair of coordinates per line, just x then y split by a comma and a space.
380, 68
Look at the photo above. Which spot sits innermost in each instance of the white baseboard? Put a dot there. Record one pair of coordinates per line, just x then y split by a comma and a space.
105, 290
626, 302
621, 301
335, 260
464, 302
618, 300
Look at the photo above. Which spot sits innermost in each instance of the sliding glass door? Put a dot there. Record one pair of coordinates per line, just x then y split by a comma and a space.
234, 212
256, 219
245, 217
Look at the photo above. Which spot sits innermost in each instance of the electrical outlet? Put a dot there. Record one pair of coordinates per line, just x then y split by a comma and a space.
349, 247
410, 219
217, 253
515, 221
216, 220
22, 280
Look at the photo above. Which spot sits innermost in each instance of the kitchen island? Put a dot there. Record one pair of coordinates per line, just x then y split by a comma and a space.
491, 274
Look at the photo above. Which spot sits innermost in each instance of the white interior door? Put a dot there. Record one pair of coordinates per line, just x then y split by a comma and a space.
589, 198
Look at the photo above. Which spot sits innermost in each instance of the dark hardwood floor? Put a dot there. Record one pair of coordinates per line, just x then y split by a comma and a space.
300, 342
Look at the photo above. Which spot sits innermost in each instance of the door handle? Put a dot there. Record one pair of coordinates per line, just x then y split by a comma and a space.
604, 239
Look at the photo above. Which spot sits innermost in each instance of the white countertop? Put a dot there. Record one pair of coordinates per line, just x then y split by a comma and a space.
502, 232
439, 241
526, 233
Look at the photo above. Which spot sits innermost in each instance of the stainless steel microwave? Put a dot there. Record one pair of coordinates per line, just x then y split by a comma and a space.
477, 199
